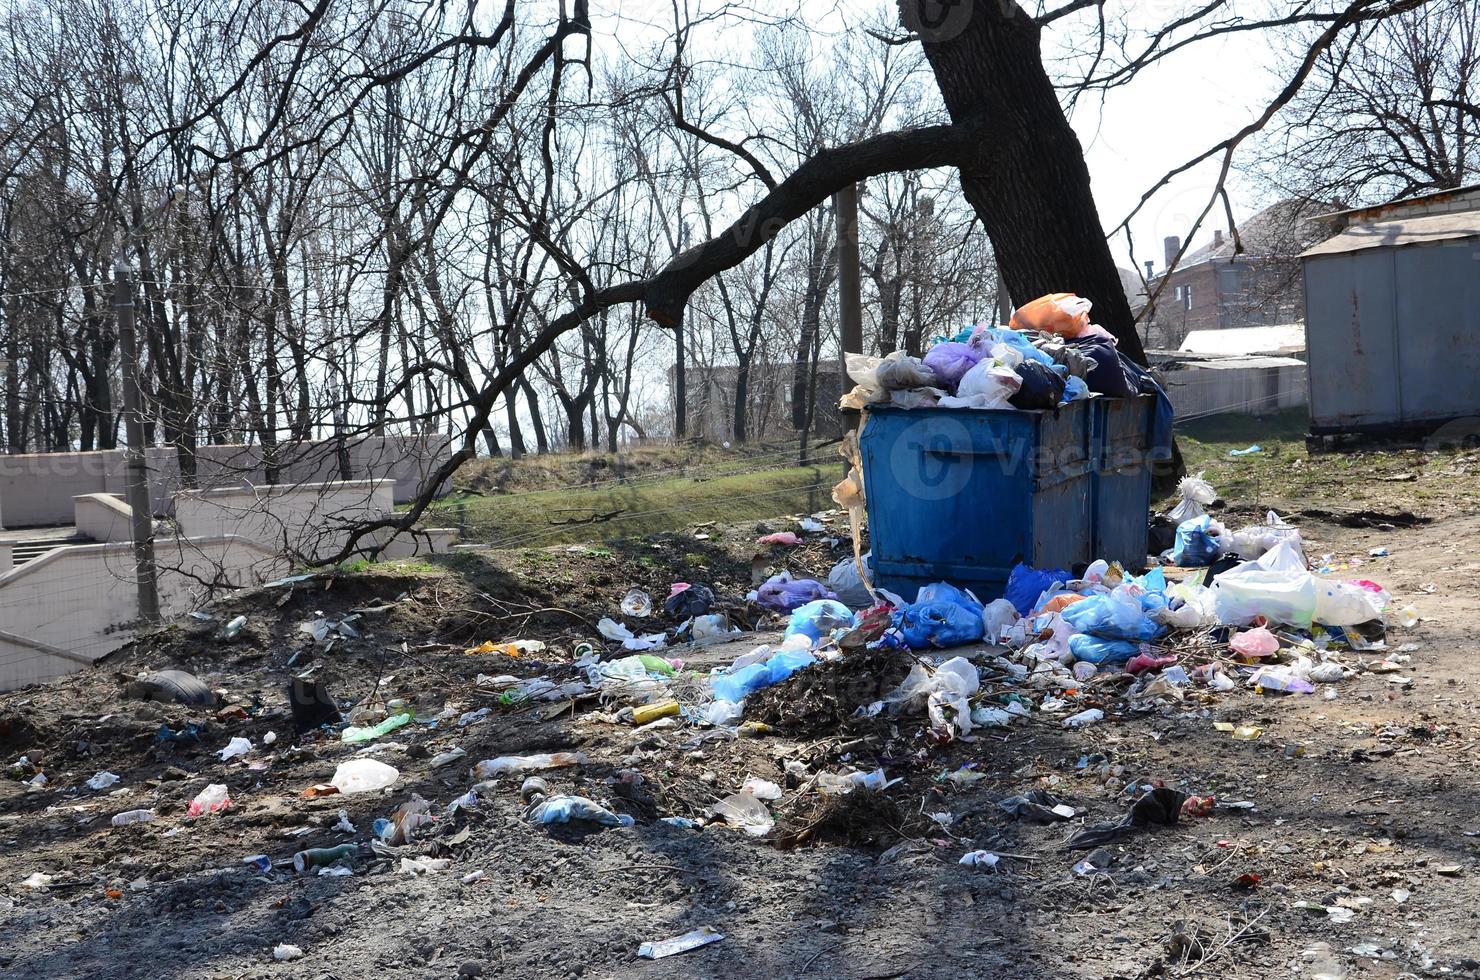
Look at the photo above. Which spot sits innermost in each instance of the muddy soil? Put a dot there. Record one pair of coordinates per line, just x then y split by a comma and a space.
1366, 804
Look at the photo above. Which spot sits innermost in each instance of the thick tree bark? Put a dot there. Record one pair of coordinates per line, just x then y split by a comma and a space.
1030, 185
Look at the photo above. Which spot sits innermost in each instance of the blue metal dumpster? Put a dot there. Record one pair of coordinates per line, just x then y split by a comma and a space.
1121, 440
960, 495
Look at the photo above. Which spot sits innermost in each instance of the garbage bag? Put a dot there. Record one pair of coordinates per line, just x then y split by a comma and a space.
1108, 376
1347, 603
997, 617
1198, 543
847, 585
1276, 586
863, 370
736, 685
692, 600
1075, 389
1256, 539
946, 592
950, 361
1161, 807
1059, 313
1042, 388
949, 686
1026, 583
1116, 615
1196, 494
1099, 650
1189, 607
782, 593
938, 625
985, 386
819, 618
898, 372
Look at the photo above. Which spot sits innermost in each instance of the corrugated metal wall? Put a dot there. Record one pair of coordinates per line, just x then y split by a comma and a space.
1393, 336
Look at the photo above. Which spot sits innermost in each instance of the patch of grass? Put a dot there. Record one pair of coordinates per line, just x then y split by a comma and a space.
606, 513
1285, 477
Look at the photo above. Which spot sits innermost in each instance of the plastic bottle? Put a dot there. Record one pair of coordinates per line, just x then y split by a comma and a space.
489, 768
320, 857
645, 713
231, 629
213, 799
132, 816
1085, 718
375, 731
532, 787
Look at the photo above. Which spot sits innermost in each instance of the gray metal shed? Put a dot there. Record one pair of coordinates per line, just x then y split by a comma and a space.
1392, 324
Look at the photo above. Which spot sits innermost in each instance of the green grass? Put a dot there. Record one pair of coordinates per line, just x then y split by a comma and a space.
643, 507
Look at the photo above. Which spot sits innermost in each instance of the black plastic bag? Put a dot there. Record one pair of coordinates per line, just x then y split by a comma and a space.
1042, 387
696, 600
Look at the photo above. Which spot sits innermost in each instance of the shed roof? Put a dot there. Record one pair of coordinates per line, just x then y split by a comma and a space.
1405, 231
1275, 338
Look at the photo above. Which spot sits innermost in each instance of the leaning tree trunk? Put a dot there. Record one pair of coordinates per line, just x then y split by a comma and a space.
1030, 187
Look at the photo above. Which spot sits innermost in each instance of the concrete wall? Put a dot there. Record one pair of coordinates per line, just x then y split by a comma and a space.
82, 599
36, 489
307, 521
102, 517
23, 661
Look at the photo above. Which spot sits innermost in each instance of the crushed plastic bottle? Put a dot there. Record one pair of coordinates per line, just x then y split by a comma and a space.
1085, 718
213, 799
132, 816
364, 776
564, 809
702, 936
489, 768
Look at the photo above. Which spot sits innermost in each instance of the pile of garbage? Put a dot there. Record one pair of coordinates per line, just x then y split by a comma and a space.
1050, 355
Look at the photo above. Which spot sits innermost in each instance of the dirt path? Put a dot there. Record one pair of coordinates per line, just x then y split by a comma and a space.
1380, 800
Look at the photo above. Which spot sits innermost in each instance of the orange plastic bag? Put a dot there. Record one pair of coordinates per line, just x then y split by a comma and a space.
1059, 313
1061, 602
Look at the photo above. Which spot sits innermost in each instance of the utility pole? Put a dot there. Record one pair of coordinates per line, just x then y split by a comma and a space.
850, 289
135, 462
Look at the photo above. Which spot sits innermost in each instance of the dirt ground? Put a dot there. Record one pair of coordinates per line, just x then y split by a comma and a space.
1365, 804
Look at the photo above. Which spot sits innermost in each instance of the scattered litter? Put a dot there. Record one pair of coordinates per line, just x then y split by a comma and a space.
979, 859
702, 936
1253, 450
213, 799
637, 604
102, 780
236, 747
363, 776
283, 952
564, 809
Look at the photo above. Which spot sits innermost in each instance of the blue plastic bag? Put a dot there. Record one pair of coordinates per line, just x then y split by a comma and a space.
1025, 584
819, 618
782, 593
1097, 650
946, 592
1116, 615
1195, 546
753, 677
937, 625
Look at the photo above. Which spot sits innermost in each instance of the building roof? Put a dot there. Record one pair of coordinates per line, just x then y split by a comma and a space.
1377, 210
1279, 338
1424, 230
1282, 229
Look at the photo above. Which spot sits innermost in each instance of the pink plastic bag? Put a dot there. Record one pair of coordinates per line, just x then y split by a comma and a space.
1256, 643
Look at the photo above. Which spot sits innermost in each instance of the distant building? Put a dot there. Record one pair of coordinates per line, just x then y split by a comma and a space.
1215, 287
771, 414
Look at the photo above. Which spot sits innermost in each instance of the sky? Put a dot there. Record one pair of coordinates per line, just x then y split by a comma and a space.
1173, 111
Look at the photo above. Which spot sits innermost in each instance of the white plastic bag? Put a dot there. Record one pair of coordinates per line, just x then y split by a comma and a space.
899, 372
1257, 539
1346, 604
949, 687
1277, 587
986, 385
847, 584
864, 370
1199, 607
1196, 494
997, 617
363, 776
